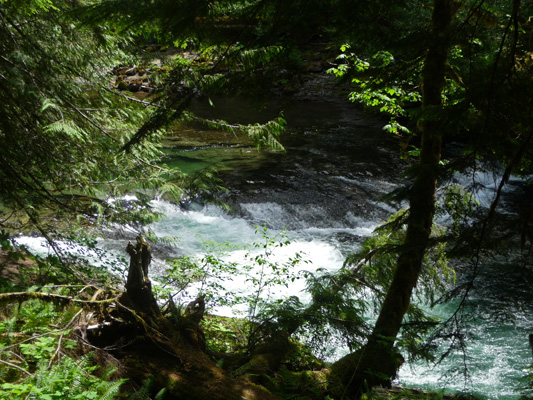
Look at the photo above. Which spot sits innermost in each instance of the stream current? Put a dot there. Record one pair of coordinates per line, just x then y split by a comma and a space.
325, 192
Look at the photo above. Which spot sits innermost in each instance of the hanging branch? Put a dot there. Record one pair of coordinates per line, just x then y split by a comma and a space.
456, 317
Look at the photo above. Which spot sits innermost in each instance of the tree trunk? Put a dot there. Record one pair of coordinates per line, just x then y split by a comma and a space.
378, 361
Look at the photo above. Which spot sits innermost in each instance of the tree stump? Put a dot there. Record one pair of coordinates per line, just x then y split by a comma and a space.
138, 286
194, 313
195, 310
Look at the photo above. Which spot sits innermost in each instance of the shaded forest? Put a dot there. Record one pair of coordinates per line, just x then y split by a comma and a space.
92, 91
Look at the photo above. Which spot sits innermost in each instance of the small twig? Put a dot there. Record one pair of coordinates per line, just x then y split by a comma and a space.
29, 340
8, 217
60, 341
145, 103
16, 367
68, 287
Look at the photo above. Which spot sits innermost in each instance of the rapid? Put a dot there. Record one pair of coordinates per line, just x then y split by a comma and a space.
325, 192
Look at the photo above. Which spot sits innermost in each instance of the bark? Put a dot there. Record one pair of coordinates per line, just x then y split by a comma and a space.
173, 354
378, 361
138, 286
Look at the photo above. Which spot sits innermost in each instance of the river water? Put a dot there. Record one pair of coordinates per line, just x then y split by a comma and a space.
325, 192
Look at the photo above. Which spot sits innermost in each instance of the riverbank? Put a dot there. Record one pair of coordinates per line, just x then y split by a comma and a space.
128, 358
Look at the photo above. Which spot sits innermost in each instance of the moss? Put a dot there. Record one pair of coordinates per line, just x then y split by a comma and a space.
347, 377
310, 385
121, 85
341, 373
299, 358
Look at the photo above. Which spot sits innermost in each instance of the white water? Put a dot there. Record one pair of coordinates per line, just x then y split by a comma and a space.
195, 229
496, 357
498, 352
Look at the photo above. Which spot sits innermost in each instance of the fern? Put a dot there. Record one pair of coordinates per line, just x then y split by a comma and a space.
68, 378
249, 60
110, 390
144, 392
76, 383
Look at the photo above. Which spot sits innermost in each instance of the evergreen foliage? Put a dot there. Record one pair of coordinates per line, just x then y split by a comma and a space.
61, 128
71, 143
483, 45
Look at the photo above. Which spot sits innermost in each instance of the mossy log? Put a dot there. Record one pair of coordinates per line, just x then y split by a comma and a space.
19, 297
134, 334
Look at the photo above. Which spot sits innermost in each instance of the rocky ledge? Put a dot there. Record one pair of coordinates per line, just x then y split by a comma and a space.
132, 78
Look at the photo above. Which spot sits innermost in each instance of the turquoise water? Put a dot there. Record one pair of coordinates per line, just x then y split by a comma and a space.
492, 364
326, 191
497, 351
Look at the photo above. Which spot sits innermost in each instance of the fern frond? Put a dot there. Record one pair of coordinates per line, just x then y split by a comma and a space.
69, 129
161, 394
47, 103
144, 392
112, 389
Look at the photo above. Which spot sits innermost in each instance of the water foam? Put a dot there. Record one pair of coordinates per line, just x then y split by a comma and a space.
195, 228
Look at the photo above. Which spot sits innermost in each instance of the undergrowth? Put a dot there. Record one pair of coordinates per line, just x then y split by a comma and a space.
42, 353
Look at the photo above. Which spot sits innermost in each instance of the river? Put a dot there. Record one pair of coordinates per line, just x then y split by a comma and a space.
325, 192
